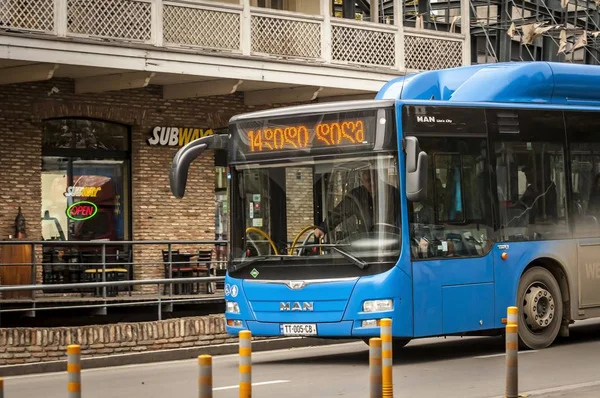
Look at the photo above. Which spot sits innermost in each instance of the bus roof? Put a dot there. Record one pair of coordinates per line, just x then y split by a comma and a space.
514, 82
307, 109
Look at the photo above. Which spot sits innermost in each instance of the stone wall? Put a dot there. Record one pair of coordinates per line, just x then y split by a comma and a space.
30, 345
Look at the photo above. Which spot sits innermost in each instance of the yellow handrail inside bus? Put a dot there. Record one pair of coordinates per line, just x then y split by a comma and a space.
264, 235
302, 233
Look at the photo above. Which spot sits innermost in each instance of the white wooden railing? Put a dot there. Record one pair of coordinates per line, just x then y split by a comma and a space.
221, 28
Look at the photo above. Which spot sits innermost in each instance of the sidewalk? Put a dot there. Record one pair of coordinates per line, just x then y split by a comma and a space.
584, 392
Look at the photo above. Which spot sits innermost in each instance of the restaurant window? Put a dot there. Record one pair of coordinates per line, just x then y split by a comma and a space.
221, 208
85, 180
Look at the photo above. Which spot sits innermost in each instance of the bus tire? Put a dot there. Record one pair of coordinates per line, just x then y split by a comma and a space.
540, 308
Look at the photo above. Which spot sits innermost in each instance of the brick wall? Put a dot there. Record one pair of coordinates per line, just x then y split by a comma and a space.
29, 345
156, 213
299, 201
20, 162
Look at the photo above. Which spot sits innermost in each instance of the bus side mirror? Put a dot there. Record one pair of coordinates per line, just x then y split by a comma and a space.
417, 163
186, 155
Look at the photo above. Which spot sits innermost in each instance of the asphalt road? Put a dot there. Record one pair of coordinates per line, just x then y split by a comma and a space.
452, 367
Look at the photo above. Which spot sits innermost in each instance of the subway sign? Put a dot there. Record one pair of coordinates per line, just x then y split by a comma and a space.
82, 210
176, 136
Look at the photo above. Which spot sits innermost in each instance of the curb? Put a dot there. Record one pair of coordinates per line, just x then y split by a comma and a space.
165, 355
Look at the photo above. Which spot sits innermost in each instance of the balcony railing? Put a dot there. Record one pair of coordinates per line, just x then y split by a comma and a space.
227, 29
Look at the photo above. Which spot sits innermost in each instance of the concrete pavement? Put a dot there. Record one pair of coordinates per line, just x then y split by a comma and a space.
591, 391
453, 367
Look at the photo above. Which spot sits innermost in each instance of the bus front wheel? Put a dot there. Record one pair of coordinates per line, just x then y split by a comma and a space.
540, 308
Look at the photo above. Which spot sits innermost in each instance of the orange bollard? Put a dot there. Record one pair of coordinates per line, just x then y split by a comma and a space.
387, 384
512, 361
74, 370
245, 364
512, 315
375, 367
205, 384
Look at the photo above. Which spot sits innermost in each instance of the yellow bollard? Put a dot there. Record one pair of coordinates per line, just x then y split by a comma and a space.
375, 367
74, 371
205, 384
513, 316
386, 358
245, 364
512, 361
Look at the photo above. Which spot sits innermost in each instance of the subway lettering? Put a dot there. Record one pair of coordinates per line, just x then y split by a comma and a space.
176, 136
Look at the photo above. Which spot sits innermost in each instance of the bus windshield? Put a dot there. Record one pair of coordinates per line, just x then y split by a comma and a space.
340, 210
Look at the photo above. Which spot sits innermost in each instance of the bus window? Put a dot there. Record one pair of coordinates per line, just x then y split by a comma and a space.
582, 130
456, 218
299, 184
258, 186
448, 188
585, 184
530, 173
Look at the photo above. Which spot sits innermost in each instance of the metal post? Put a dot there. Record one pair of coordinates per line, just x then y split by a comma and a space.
159, 302
33, 273
104, 270
513, 316
512, 361
375, 367
245, 364
1, 387
205, 376
386, 358
170, 270
74, 370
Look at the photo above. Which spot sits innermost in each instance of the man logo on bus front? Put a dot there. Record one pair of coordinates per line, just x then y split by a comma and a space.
296, 285
296, 306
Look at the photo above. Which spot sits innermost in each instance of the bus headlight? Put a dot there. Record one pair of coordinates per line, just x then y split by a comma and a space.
378, 305
232, 307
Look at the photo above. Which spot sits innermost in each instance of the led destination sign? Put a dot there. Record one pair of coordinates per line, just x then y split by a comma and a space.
329, 132
294, 137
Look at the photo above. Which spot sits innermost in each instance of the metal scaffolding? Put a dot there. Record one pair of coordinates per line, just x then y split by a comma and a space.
502, 30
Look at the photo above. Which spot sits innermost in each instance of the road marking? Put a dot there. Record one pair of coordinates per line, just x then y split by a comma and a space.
503, 354
262, 383
559, 389
186, 362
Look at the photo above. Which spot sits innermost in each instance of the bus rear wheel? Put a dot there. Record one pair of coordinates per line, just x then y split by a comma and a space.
540, 308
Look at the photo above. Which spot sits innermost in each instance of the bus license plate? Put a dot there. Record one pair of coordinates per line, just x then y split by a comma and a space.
299, 329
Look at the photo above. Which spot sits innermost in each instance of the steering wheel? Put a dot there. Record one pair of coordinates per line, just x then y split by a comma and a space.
311, 227
264, 235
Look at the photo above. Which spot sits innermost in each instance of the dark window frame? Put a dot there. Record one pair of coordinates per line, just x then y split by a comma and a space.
96, 153
492, 137
577, 136
537, 134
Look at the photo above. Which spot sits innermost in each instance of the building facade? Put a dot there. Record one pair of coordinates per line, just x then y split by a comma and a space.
60, 150
96, 96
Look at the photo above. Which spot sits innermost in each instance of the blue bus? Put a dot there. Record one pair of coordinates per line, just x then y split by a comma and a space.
450, 196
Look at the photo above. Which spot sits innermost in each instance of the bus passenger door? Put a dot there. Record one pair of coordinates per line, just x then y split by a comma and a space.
450, 236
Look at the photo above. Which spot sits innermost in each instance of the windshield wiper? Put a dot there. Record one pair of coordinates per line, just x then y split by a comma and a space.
252, 260
355, 260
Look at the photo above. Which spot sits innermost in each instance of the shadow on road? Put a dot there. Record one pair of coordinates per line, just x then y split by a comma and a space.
414, 352
431, 350
580, 333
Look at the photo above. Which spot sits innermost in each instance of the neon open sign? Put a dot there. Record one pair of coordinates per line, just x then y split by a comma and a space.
83, 210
